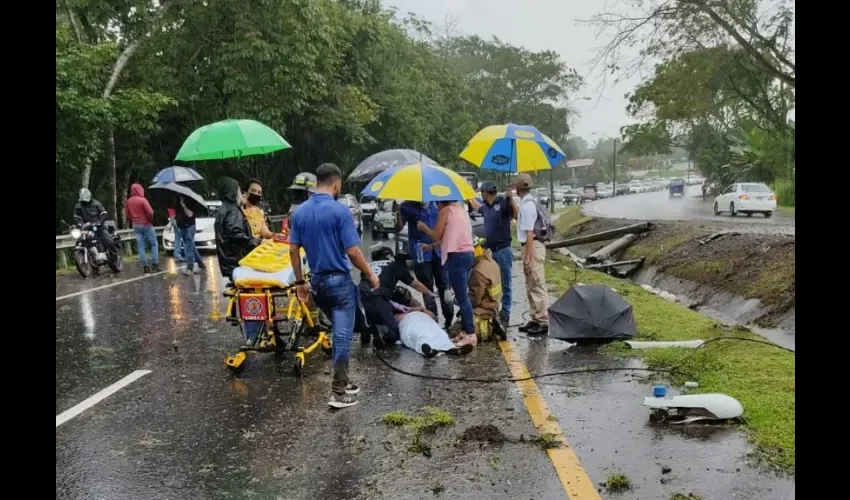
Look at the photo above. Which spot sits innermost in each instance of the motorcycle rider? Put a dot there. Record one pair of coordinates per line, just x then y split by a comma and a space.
90, 211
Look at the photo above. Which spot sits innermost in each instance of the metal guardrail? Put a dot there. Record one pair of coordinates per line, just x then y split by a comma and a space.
65, 242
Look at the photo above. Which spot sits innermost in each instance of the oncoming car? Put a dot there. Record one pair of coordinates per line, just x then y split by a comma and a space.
204, 230
746, 198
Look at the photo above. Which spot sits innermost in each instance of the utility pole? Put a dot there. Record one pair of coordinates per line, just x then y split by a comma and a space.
551, 170
614, 171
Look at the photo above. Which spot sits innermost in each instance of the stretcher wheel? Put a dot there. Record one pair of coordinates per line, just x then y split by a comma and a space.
298, 366
236, 363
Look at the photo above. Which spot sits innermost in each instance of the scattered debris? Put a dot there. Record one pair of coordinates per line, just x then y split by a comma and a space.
639, 228
688, 408
433, 419
682, 496
719, 234
666, 469
546, 440
610, 250
688, 344
438, 488
487, 433
617, 482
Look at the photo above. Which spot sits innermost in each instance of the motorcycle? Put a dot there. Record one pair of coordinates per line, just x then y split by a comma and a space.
89, 252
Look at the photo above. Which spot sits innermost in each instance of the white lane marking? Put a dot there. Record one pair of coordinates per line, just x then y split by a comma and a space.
100, 396
137, 278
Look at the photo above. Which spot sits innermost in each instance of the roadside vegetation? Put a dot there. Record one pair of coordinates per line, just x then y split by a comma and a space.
758, 375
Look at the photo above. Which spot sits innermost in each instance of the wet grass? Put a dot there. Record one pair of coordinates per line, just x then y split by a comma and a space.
617, 482
653, 248
546, 440
428, 423
570, 218
761, 377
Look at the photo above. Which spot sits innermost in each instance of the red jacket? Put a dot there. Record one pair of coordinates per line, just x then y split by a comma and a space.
137, 208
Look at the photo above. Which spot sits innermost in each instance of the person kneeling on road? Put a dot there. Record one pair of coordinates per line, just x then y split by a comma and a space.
419, 331
376, 303
485, 293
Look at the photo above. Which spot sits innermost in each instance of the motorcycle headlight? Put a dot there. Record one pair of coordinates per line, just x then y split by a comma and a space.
76, 233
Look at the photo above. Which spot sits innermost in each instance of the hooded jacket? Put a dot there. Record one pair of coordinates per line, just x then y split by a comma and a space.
233, 239
485, 286
137, 208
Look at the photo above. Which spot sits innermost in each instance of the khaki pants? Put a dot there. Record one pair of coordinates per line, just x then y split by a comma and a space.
535, 284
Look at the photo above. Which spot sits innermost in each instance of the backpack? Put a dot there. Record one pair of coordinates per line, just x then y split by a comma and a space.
544, 230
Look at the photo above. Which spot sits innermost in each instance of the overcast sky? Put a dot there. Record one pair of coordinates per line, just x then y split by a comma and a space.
541, 25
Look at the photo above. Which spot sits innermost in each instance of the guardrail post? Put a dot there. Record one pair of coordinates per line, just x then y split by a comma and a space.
128, 248
63, 259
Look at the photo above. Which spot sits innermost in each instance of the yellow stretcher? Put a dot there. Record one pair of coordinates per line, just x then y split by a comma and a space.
262, 302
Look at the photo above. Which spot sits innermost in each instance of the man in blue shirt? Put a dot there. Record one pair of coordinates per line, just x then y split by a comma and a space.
498, 211
325, 229
427, 267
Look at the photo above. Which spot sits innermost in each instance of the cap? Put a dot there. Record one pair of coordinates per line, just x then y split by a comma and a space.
523, 181
488, 187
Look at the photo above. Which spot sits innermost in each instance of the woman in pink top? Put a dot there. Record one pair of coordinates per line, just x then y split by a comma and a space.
453, 233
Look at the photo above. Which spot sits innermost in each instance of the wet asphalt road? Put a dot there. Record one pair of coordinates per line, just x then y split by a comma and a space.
659, 206
190, 430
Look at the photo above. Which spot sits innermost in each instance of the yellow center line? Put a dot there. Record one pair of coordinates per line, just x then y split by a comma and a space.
574, 478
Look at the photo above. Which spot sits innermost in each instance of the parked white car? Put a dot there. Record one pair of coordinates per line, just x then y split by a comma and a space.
204, 230
746, 198
636, 187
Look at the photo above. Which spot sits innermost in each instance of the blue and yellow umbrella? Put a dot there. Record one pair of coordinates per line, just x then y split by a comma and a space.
512, 148
419, 182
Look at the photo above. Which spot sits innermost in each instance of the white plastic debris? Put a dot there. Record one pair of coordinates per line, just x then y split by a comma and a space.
688, 344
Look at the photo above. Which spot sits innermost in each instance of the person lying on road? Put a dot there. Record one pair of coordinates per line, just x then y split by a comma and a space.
419, 331
376, 303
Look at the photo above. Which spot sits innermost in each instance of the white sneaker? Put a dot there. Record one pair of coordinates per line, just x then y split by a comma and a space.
342, 401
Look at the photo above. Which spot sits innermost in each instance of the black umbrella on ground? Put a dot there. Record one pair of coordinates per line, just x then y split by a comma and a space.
385, 160
168, 191
591, 313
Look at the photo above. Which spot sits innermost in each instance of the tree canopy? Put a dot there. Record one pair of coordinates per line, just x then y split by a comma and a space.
339, 79
723, 84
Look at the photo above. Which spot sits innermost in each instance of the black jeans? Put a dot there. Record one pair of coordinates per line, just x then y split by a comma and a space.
430, 274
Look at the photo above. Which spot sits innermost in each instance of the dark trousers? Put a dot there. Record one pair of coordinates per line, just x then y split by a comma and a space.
431, 274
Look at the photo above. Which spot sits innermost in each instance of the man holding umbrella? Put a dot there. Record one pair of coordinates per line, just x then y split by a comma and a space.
325, 229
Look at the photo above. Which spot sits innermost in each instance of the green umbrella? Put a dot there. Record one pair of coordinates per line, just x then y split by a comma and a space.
231, 139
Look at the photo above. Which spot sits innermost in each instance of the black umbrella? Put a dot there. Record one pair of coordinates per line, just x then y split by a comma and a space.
385, 160
194, 201
591, 312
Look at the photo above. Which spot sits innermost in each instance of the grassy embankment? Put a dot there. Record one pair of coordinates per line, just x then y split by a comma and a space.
760, 376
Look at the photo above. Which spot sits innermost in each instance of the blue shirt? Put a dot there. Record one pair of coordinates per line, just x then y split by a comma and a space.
325, 229
497, 223
413, 212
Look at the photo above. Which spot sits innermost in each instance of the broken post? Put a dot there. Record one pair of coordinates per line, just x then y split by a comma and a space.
611, 249
602, 236
608, 265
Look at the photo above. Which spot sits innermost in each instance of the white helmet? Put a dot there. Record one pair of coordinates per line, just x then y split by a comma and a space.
85, 195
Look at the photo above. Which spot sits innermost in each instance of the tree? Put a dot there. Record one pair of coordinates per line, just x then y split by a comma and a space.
663, 29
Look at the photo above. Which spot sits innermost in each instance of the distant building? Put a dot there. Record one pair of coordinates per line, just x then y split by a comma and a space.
580, 165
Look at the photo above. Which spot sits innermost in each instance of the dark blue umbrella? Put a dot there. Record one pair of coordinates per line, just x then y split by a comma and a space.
177, 174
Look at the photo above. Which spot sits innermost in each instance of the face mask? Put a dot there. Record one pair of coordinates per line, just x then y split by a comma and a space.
254, 199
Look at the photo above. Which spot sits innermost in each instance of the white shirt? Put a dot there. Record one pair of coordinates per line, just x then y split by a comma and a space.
527, 217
